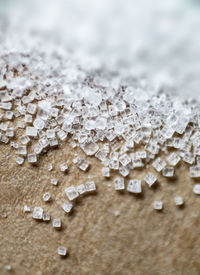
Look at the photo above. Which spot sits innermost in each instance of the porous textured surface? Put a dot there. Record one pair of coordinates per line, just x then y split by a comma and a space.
138, 241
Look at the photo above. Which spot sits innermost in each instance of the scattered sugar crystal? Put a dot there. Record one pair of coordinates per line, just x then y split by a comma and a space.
9, 115
81, 189
50, 167
46, 196
83, 164
71, 193
90, 148
4, 139
114, 164
125, 159
159, 164
173, 159
21, 124
31, 108
195, 171
56, 223
39, 124
10, 132
19, 160
24, 140
168, 171
22, 150
63, 167
54, 181
31, 131
134, 186
50, 134
28, 118
6, 105
150, 179
8, 267
178, 200
46, 217
189, 158
106, 172
90, 186
67, 206
27, 209
124, 171
38, 213
62, 135
32, 158
158, 205
53, 142
62, 251
119, 184
196, 189
117, 213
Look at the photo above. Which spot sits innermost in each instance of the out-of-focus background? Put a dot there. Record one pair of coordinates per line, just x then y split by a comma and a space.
158, 40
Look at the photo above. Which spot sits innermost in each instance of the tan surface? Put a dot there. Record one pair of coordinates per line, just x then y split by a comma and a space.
139, 241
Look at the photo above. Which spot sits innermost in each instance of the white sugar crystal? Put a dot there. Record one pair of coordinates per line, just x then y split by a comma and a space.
195, 171
39, 124
6, 105
19, 160
117, 213
119, 184
50, 167
106, 172
150, 179
53, 142
168, 171
83, 164
46, 217
24, 140
173, 159
8, 267
63, 167
159, 164
158, 205
62, 251
67, 206
124, 171
90, 186
28, 118
90, 148
27, 209
32, 158
9, 115
71, 193
21, 150
81, 189
54, 181
62, 135
134, 186
31, 108
196, 189
38, 213
178, 200
46, 196
31, 131
50, 134
57, 223
114, 164
10, 132
125, 159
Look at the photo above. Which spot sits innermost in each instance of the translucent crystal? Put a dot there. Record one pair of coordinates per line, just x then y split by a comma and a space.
32, 158
31, 131
39, 124
24, 140
46, 217
53, 142
90, 186
63, 167
27, 209
106, 172
158, 205
125, 159
31, 108
54, 181
90, 148
10, 132
134, 186
57, 223
195, 171
46, 196
71, 193
119, 184
38, 213
178, 200
159, 164
9, 115
28, 118
196, 189
173, 159
114, 164
50, 133
19, 160
62, 251
67, 206
150, 179
83, 164
124, 171
50, 167
81, 189
22, 150
168, 171
62, 135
